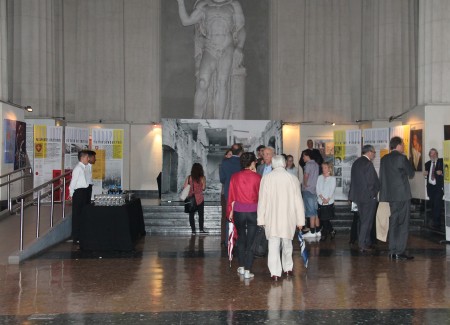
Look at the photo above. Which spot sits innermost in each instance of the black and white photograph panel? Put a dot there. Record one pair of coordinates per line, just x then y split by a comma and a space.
206, 141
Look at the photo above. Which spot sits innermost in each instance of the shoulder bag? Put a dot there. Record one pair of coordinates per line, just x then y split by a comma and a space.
190, 205
260, 245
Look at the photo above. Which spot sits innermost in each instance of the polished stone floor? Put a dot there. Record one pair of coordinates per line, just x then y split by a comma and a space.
188, 280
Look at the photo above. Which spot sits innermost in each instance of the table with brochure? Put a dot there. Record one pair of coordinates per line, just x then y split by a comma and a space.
112, 227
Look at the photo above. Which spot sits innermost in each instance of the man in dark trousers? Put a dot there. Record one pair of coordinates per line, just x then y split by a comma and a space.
228, 167
314, 154
395, 170
364, 189
435, 185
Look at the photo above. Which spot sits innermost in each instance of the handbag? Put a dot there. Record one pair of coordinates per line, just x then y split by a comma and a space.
260, 245
185, 192
326, 212
190, 205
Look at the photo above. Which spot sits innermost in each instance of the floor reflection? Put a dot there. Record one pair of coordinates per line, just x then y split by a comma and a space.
187, 279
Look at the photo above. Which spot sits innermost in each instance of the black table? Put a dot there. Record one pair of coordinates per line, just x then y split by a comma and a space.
106, 228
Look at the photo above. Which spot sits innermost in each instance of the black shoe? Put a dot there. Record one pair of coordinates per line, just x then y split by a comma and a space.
203, 232
400, 257
366, 250
333, 233
323, 238
194, 233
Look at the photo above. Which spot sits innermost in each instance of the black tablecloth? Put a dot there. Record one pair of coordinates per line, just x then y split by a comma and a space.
111, 228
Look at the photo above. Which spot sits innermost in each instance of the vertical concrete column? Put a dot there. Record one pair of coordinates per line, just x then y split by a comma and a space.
434, 52
287, 37
142, 46
35, 60
388, 82
3, 53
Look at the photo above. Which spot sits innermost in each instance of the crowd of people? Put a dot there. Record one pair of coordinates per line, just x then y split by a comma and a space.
264, 190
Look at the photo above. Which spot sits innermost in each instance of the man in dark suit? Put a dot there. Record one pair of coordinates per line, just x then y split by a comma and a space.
228, 167
435, 185
395, 170
314, 154
364, 189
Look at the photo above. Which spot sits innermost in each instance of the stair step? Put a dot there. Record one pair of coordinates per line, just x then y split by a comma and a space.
170, 219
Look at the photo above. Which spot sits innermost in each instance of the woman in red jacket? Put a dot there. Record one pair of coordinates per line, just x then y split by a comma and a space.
241, 209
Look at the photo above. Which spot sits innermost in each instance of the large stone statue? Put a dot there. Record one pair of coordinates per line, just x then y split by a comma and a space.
219, 40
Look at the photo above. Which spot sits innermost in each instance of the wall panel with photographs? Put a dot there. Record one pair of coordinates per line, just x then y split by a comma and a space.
188, 141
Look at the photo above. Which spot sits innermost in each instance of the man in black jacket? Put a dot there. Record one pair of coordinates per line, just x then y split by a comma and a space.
314, 154
435, 184
395, 170
228, 167
364, 189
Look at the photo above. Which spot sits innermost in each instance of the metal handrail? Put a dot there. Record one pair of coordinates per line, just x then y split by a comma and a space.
10, 181
15, 171
21, 199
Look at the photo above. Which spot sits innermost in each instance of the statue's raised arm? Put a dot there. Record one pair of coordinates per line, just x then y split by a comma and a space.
195, 17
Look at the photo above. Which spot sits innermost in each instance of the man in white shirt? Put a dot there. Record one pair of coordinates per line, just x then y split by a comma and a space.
78, 192
434, 174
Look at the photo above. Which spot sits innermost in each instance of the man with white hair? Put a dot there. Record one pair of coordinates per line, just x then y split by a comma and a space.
266, 166
280, 211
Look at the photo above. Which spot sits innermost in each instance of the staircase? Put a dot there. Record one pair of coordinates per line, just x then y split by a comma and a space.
171, 219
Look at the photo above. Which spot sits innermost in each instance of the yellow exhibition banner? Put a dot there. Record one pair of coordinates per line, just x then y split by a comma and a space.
339, 144
117, 144
98, 169
446, 159
40, 141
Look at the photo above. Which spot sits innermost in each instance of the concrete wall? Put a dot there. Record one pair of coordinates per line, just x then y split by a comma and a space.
291, 141
145, 154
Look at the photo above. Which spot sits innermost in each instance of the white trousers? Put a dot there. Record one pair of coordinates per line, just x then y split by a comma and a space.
277, 263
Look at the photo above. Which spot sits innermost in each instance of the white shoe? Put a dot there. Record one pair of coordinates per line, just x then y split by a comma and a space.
309, 234
240, 270
248, 275
318, 234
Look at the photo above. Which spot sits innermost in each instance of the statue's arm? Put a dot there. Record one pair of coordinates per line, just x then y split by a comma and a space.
240, 38
187, 20
239, 19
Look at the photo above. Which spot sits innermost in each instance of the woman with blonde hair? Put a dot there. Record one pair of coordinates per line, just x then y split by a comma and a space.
290, 166
326, 184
